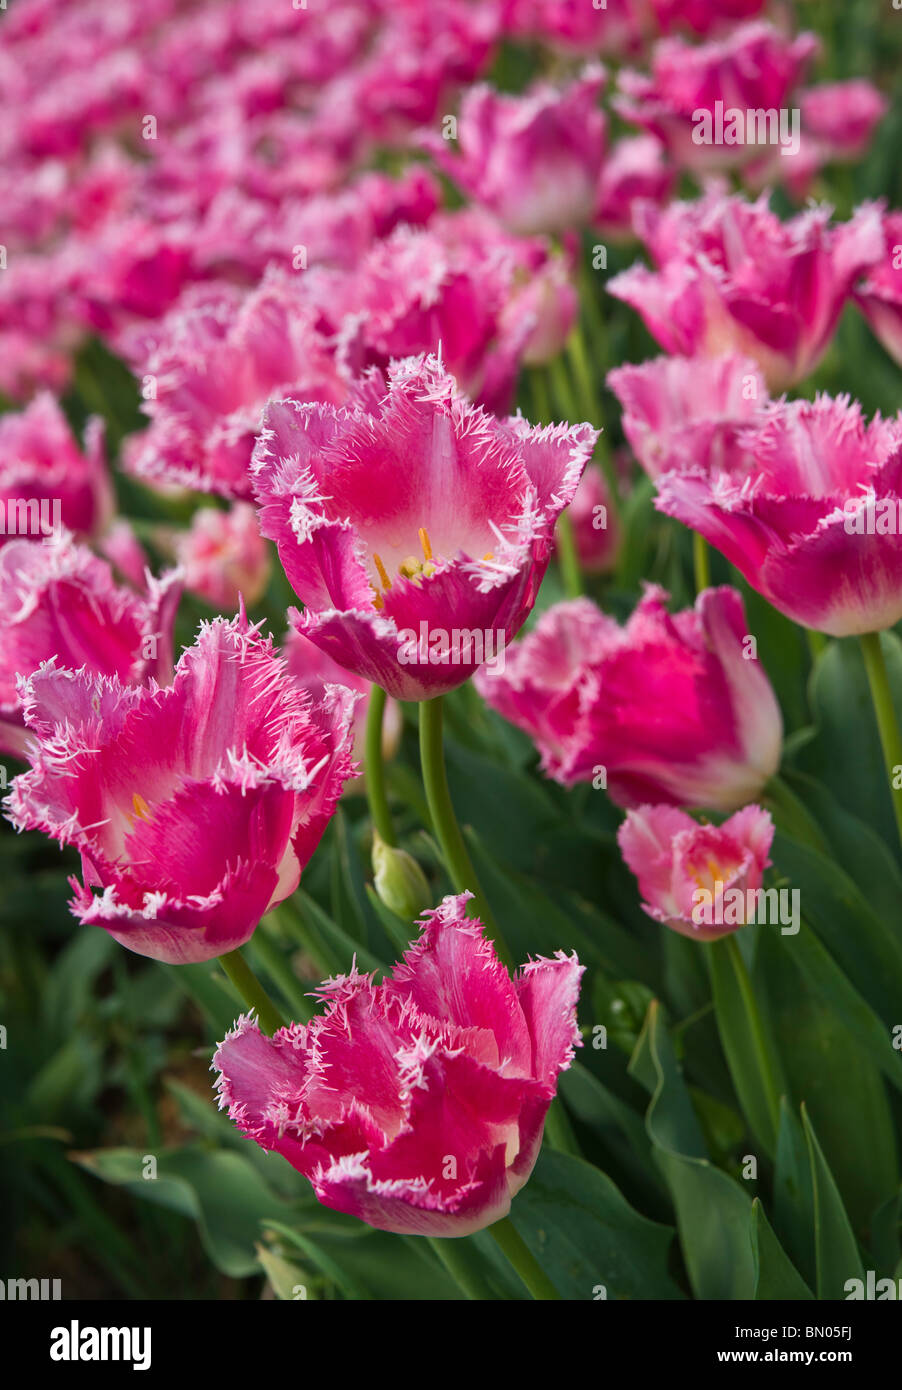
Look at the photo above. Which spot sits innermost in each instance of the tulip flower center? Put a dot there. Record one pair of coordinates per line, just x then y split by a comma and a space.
410, 568
712, 871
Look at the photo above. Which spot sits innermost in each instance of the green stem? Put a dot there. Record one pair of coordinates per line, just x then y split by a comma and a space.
251, 991
374, 767
887, 723
576, 352
540, 396
463, 1265
817, 643
568, 556
523, 1260
451, 841
701, 561
769, 1083
792, 815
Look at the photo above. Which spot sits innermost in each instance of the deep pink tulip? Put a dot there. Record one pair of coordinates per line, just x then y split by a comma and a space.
755, 68
880, 295
701, 880
686, 412
596, 530
815, 525
194, 807
732, 277
636, 169
60, 603
212, 369
47, 483
414, 527
842, 117
223, 556
532, 160
671, 708
418, 1104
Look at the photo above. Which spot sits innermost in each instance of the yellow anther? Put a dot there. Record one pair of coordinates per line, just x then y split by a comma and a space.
142, 810
489, 555
424, 542
410, 567
378, 601
383, 572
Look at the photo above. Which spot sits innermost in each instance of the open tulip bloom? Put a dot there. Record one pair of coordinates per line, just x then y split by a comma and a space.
194, 806
414, 527
418, 1104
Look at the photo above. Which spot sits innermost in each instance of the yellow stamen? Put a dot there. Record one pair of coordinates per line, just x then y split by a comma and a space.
424, 542
378, 601
383, 572
410, 567
142, 810
488, 555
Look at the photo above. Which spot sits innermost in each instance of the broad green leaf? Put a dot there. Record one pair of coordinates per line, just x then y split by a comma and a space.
836, 1251
776, 1277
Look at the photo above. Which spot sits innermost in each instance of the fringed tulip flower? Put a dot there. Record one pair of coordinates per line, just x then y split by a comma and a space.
210, 373
414, 527
674, 709
690, 98
880, 295
732, 277
532, 160
635, 170
194, 807
816, 525
61, 603
416, 1105
596, 530
841, 117
223, 556
686, 412
704, 881
47, 483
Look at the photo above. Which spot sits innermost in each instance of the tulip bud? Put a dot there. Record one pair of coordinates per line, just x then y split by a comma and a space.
399, 881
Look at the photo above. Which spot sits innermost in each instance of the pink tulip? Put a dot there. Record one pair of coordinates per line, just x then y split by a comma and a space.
668, 708
416, 1105
59, 603
46, 481
842, 116
223, 556
636, 169
210, 373
701, 880
686, 412
532, 160
815, 526
880, 295
596, 530
754, 68
414, 527
194, 807
732, 277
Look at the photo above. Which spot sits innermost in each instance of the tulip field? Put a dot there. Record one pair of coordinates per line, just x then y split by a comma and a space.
451, 660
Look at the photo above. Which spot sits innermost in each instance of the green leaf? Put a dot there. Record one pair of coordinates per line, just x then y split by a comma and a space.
586, 1236
220, 1190
713, 1212
748, 1053
776, 1277
836, 1250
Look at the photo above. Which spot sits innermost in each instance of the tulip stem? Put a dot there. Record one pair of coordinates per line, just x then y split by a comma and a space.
463, 1264
767, 1073
885, 710
251, 991
374, 768
568, 557
523, 1260
451, 841
701, 561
